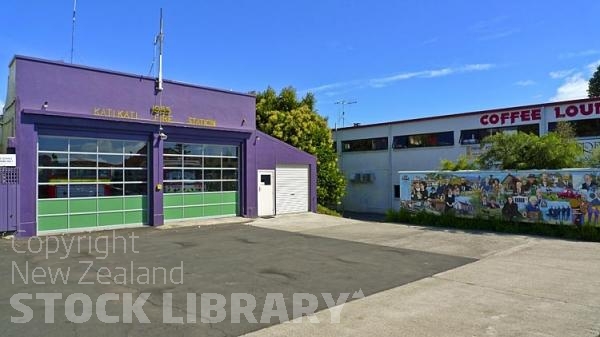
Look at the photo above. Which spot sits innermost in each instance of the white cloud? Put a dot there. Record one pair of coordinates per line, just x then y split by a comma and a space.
381, 82
430, 41
499, 34
478, 66
384, 81
592, 67
494, 28
326, 87
574, 87
525, 83
561, 73
582, 53
1, 107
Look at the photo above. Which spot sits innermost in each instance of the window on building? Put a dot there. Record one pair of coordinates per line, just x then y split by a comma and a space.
397, 191
90, 167
475, 136
368, 144
424, 140
193, 168
583, 128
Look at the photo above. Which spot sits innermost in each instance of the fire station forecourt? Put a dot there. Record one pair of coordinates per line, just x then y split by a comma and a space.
237, 278
223, 260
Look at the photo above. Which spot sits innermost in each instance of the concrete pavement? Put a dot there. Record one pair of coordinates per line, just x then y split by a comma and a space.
521, 286
222, 258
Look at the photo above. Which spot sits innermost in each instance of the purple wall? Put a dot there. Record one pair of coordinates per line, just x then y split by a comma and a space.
270, 152
79, 90
72, 93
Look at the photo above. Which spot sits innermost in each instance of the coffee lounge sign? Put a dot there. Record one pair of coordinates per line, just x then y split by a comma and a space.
559, 112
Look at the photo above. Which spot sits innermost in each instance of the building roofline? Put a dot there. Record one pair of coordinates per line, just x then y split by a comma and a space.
119, 73
462, 114
289, 146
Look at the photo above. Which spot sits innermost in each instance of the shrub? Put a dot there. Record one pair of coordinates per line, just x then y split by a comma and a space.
327, 211
583, 233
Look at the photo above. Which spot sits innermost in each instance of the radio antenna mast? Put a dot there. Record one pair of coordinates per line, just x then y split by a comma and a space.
159, 81
73, 29
159, 40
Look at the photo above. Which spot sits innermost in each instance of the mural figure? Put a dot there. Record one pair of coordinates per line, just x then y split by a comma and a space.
510, 210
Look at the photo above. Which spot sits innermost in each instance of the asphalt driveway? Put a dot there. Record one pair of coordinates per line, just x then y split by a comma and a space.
223, 259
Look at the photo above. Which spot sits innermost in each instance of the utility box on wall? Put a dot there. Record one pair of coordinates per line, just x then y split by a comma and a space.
9, 189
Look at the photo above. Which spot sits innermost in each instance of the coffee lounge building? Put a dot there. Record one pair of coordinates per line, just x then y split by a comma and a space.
419, 145
98, 149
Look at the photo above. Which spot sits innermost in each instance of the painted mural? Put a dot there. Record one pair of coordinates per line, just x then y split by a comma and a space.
553, 196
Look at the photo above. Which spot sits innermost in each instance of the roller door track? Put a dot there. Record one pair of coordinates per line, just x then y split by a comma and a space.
291, 186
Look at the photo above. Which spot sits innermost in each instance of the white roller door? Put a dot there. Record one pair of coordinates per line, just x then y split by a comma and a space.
291, 189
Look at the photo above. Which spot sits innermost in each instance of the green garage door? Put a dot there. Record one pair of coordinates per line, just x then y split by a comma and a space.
200, 180
86, 183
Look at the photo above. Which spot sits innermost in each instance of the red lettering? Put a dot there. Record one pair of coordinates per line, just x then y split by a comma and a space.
494, 119
504, 116
484, 120
525, 115
536, 114
571, 111
513, 115
586, 112
597, 106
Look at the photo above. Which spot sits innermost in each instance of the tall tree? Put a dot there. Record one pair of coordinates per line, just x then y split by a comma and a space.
594, 84
296, 122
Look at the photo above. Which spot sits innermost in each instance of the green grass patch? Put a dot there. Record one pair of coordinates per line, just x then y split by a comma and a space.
572, 232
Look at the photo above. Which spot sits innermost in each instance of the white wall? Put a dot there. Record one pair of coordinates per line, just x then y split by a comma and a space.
373, 196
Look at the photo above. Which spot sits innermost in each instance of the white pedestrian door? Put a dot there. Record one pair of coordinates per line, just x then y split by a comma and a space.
291, 194
266, 195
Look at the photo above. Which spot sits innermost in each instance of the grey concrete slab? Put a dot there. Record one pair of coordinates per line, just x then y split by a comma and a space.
559, 270
434, 307
437, 240
221, 259
302, 222
560, 254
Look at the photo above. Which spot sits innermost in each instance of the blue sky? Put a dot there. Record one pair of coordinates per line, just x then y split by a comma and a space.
397, 59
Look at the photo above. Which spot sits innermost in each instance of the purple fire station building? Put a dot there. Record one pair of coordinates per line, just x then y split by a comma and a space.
98, 149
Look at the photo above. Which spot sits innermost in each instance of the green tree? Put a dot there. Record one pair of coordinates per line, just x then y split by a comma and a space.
296, 122
462, 163
527, 151
594, 84
565, 130
594, 159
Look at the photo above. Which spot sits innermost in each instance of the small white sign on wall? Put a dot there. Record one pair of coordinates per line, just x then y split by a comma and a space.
8, 160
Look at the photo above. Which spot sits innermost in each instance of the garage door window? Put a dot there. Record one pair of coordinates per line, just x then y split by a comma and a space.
89, 182
200, 180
